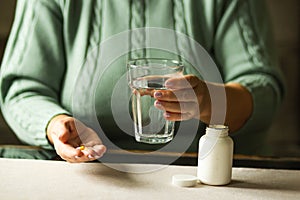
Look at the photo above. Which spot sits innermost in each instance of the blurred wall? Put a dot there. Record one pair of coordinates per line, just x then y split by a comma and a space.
284, 135
6, 17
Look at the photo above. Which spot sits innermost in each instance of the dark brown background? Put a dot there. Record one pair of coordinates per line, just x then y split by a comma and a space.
284, 135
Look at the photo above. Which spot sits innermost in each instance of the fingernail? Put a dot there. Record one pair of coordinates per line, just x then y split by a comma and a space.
158, 103
158, 94
76, 157
90, 156
167, 115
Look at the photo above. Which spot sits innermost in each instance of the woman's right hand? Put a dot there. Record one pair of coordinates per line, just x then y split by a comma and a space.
67, 134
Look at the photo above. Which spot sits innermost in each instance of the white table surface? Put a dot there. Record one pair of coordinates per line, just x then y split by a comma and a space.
36, 179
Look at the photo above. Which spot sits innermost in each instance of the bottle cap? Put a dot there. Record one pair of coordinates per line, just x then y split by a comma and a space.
184, 180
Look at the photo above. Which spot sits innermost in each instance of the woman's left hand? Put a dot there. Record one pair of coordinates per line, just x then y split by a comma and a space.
189, 97
186, 98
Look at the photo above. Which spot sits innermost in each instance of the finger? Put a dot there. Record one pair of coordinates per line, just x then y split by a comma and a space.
143, 92
177, 116
99, 149
94, 152
184, 95
188, 81
175, 107
63, 132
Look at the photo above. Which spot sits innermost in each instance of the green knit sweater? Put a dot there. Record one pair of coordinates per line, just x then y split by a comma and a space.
51, 39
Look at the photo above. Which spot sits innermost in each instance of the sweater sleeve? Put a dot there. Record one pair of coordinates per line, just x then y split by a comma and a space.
244, 47
32, 70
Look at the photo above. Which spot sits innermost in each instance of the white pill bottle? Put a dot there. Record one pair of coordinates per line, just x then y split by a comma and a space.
215, 156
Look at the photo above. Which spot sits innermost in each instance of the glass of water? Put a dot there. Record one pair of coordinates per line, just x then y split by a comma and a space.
144, 77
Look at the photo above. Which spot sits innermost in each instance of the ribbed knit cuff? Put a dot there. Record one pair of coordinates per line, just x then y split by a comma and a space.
266, 98
29, 120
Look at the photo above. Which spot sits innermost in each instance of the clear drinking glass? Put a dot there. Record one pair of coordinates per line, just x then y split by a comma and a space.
144, 76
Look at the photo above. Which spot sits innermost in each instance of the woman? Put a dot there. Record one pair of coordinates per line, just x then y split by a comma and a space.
50, 41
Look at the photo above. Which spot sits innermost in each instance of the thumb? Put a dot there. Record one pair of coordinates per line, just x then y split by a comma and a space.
64, 133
